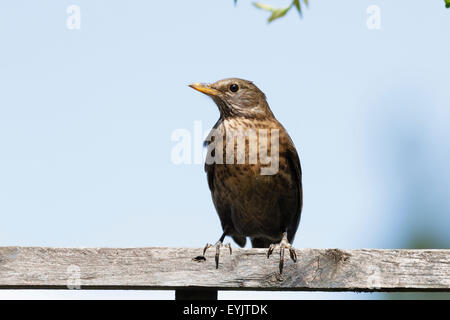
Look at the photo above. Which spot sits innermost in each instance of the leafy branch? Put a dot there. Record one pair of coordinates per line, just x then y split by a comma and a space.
281, 12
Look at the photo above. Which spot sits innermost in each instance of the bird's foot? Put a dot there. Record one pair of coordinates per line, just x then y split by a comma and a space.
284, 244
218, 245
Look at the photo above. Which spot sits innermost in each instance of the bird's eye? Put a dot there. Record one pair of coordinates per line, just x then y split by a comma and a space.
234, 87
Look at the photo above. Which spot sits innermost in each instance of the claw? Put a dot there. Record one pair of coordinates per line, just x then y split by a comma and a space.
293, 254
284, 244
281, 259
218, 245
271, 248
208, 245
229, 247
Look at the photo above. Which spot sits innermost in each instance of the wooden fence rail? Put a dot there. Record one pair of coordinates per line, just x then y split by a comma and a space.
246, 269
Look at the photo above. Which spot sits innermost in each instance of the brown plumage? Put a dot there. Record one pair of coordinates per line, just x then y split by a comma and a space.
265, 207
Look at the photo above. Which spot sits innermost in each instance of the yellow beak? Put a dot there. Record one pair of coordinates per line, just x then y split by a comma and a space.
205, 88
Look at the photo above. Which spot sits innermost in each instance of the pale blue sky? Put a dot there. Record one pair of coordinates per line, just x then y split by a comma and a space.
86, 118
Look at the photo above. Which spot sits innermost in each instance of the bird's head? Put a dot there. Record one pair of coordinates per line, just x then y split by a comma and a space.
236, 97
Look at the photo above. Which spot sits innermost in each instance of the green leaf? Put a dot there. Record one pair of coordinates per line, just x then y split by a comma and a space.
447, 3
264, 6
278, 13
297, 5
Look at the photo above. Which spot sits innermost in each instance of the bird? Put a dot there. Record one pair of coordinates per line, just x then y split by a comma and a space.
251, 200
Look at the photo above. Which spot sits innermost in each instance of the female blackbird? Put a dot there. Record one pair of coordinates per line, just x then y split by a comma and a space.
253, 170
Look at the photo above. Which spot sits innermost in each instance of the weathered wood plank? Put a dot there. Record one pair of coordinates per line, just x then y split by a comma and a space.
245, 269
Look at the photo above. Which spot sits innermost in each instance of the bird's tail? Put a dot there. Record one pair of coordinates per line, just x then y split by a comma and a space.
261, 242
240, 240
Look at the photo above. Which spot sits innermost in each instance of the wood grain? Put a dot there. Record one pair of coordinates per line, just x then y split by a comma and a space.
245, 269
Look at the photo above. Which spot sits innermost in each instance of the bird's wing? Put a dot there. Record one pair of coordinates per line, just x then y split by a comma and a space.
294, 164
209, 169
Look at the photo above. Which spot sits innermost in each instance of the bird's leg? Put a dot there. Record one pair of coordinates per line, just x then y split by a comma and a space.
218, 245
284, 244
